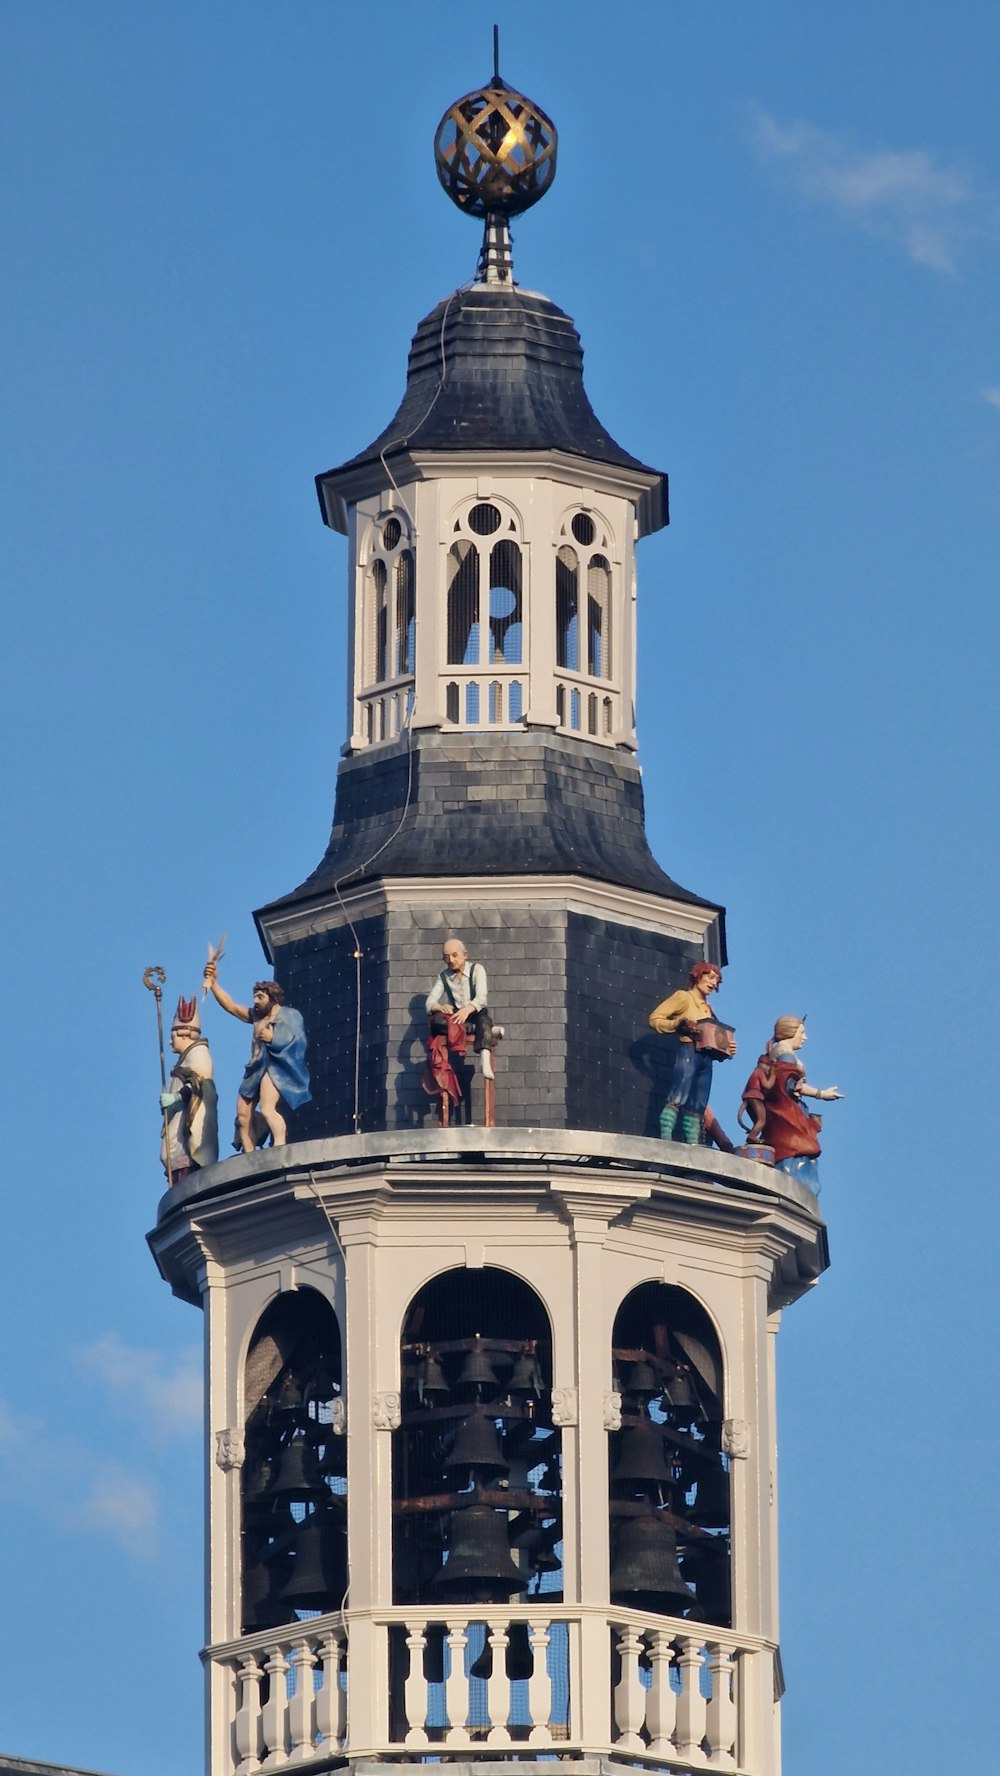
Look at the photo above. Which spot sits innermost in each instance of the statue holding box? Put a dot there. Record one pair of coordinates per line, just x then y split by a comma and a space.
699, 1041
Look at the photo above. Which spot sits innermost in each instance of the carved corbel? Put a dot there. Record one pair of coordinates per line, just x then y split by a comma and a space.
386, 1412
565, 1410
736, 1438
612, 1412
230, 1449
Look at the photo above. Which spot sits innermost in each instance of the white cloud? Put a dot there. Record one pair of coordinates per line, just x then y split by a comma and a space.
166, 1400
928, 209
992, 396
121, 1505
75, 1489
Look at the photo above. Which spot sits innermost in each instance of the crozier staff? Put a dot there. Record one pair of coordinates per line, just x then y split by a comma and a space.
276, 1077
189, 1102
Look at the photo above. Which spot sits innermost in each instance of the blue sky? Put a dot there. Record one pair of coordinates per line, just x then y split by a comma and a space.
778, 230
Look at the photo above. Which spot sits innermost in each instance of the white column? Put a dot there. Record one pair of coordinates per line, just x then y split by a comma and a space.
368, 1523
585, 1485
540, 606
430, 550
355, 629
625, 671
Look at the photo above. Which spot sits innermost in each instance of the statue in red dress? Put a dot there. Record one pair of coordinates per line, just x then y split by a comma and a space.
772, 1100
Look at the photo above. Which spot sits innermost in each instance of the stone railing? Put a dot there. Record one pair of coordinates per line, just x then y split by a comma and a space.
589, 707
458, 1682
383, 711
485, 696
279, 1699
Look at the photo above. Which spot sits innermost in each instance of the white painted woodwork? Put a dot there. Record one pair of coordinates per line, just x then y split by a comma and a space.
537, 511
687, 1700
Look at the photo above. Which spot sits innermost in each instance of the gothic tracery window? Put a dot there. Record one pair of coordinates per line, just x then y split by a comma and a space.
389, 608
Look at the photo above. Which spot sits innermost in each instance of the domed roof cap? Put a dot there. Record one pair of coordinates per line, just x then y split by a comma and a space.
498, 368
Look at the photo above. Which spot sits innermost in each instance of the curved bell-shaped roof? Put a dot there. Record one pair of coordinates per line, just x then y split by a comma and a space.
496, 368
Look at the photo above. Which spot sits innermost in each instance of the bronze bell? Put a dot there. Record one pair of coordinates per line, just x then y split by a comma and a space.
519, 1659
525, 1377
479, 1568
642, 1381
477, 1447
537, 1547
711, 1500
319, 1566
289, 1396
432, 1383
644, 1569
298, 1472
706, 1566
478, 1373
262, 1605
257, 1478
641, 1459
679, 1392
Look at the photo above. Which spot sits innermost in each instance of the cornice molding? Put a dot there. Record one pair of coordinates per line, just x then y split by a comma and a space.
583, 895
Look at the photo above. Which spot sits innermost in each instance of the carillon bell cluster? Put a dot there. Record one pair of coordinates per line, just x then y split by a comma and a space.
294, 1486
669, 1489
478, 1472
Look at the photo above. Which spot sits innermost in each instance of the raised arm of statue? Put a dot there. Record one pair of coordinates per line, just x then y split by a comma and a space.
219, 994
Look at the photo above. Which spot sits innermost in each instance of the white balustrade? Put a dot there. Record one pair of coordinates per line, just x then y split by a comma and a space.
587, 706
464, 1707
290, 1699
677, 1694
682, 1696
485, 697
384, 711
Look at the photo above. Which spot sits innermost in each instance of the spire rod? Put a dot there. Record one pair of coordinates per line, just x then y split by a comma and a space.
496, 55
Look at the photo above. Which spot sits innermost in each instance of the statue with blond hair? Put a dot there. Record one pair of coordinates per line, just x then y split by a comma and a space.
772, 1100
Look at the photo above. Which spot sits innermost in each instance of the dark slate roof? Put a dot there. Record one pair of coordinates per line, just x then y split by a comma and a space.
530, 803
513, 380
29, 1767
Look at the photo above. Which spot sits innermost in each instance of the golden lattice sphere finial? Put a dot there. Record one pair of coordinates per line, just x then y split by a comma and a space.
495, 151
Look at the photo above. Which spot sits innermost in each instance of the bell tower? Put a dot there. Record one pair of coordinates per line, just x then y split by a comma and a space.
490, 1413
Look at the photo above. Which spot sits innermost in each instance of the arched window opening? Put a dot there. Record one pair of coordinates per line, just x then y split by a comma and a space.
567, 611
669, 1483
477, 1492
463, 604
376, 622
506, 620
599, 617
405, 624
294, 1475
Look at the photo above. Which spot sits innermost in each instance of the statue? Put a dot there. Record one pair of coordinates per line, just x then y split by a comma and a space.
459, 1019
276, 1077
189, 1101
771, 1098
699, 1041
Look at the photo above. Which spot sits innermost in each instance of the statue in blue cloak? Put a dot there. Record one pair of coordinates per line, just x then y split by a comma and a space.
276, 1077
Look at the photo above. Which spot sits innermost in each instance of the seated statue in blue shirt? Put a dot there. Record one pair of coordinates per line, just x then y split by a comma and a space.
276, 1077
